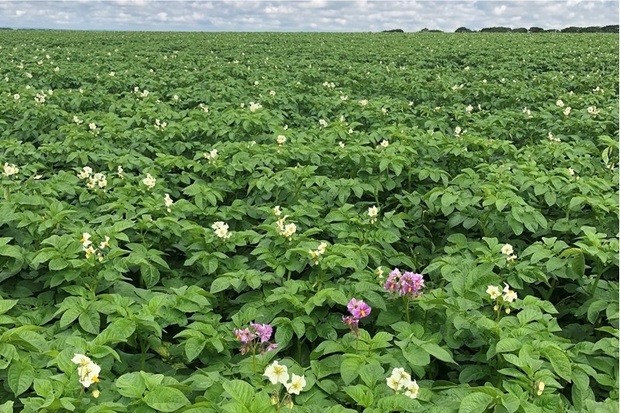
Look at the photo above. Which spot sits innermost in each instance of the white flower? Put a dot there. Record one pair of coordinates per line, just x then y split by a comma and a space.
255, 106
540, 388
592, 110
412, 389
16, 96
344, 97
493, 291
373, 211
86, 171
89, 374
571, 171
289, 230
458, 131
276, 210
296, 385
85, 240
323, 123
105, 243
81, 359
149, 181
276, 373
221, 229
469, 108
509, 295
384, 111
272, 93
363, 102
322, 247
168, 202
119, 171
281, 139
384, 143
341, 144
9, 169
507, 249
567, 111
211, 155
160, 125
559, 103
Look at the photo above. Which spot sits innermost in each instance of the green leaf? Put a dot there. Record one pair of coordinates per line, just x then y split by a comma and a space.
90, 321
475, 403
507, 345
360, 394
20, 377
350, 368
150, 275
438, 352
165, 399
6, 305
131, 385
193, 347
559, 361
240, 391
371, 373
220, 284
6, 407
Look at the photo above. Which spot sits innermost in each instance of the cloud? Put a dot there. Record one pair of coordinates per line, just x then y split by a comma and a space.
308, 15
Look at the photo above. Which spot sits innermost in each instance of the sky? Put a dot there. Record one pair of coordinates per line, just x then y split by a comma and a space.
304, 16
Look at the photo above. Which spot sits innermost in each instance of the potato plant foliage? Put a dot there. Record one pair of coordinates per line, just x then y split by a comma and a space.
163, 191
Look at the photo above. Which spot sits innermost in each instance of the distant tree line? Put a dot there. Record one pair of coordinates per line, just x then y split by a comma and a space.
572, 29
501, 29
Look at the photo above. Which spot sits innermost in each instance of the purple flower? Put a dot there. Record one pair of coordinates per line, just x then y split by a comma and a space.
358, 308
350, 321
263, 331
411, 283
407, 285
392, 283
245, 335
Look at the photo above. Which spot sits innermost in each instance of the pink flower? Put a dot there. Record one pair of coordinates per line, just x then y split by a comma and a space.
263, 331
245, 335
358, 308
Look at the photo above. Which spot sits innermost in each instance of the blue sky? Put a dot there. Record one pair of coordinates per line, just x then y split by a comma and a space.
310, 15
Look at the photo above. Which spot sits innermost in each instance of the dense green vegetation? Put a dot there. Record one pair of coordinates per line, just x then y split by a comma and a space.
163, 191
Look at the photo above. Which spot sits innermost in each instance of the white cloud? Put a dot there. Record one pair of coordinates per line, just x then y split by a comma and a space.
308, 15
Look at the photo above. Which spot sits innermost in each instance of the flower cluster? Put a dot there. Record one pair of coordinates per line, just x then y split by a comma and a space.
160, 125
276, 210
284, 229
149, 181
315, 254
278, 374
87, 370
507, 296
329, 85
552, 138
10, 169
566, 111
509, 253
408, 284
358, 310
592, 110
255, 337
322, 123
281, 139
211, 155
221, 229
400, 380
93, 180
255, 106
87, 246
